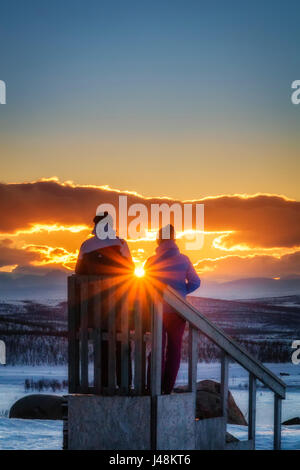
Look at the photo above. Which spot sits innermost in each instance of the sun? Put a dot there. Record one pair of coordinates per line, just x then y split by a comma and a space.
139, 271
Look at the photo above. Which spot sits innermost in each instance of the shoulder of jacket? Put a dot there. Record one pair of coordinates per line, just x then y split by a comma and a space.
86, 243
187, 260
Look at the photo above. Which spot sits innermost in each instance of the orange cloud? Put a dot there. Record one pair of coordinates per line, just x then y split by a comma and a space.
237, 266
12, 256
48, 220
257, 220
38, 228
52, 255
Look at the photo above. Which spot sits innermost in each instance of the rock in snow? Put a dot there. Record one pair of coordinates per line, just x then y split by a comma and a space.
38, 407
292, 421
208, 403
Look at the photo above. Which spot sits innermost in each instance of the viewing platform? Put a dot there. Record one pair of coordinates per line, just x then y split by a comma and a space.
115, 400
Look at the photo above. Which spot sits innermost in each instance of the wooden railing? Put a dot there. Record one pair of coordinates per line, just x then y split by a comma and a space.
101, 321
104, 334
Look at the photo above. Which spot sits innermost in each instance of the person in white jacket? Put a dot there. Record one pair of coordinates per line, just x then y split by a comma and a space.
104, 256
108, 257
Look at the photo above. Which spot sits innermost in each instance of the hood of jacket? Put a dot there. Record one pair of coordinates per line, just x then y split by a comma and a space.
167, 249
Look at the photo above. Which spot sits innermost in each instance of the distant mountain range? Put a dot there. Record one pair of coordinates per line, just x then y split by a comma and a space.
249, 288
53, 285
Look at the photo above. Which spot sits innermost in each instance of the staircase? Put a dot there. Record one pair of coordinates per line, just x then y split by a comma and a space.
124, 412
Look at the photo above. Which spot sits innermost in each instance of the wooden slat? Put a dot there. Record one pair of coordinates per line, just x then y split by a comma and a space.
73, 343
277, 422
252, 408
124, 346
193, 358
224, 385
147, 321
138, 347
156, 347
84, 359
97, 287
147, 312
227, 344
145, 328
111, 340
118, 336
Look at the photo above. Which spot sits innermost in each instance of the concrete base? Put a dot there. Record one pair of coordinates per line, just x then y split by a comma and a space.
109, 422
175, 422
165, 422
210, 434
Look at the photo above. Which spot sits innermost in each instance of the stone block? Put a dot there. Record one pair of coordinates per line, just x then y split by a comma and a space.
109, 422
175, 416
210, 434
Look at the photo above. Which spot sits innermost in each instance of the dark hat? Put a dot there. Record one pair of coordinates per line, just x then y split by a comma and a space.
166, 233
99, 217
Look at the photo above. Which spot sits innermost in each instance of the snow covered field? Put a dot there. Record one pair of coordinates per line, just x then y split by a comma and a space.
27, 434
238, 380
38, 434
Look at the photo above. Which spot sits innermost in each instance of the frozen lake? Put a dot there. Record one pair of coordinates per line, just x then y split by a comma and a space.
38, 434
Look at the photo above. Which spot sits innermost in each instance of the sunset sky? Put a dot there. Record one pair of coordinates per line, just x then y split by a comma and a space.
189, 100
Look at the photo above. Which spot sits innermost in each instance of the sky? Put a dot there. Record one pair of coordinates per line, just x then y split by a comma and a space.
184, 99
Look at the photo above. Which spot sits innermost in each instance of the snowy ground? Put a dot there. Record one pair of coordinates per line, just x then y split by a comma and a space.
290, 437
38, 434
12, 382
30, 434
238, 380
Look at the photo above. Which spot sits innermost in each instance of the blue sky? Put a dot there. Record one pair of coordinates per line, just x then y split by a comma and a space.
120, 78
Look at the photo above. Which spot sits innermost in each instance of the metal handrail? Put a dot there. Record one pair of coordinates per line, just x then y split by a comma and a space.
227, 344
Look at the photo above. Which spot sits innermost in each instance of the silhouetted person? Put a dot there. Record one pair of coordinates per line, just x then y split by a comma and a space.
169, 266
108, 257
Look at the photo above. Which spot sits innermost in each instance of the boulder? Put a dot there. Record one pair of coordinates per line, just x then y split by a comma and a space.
292, 421
208, 403
38, 407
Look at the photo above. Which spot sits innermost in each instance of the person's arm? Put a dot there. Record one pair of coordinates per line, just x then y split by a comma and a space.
125, 252
79, 263
192, 279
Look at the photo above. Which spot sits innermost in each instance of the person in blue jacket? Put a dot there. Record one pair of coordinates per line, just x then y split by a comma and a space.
169, 266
